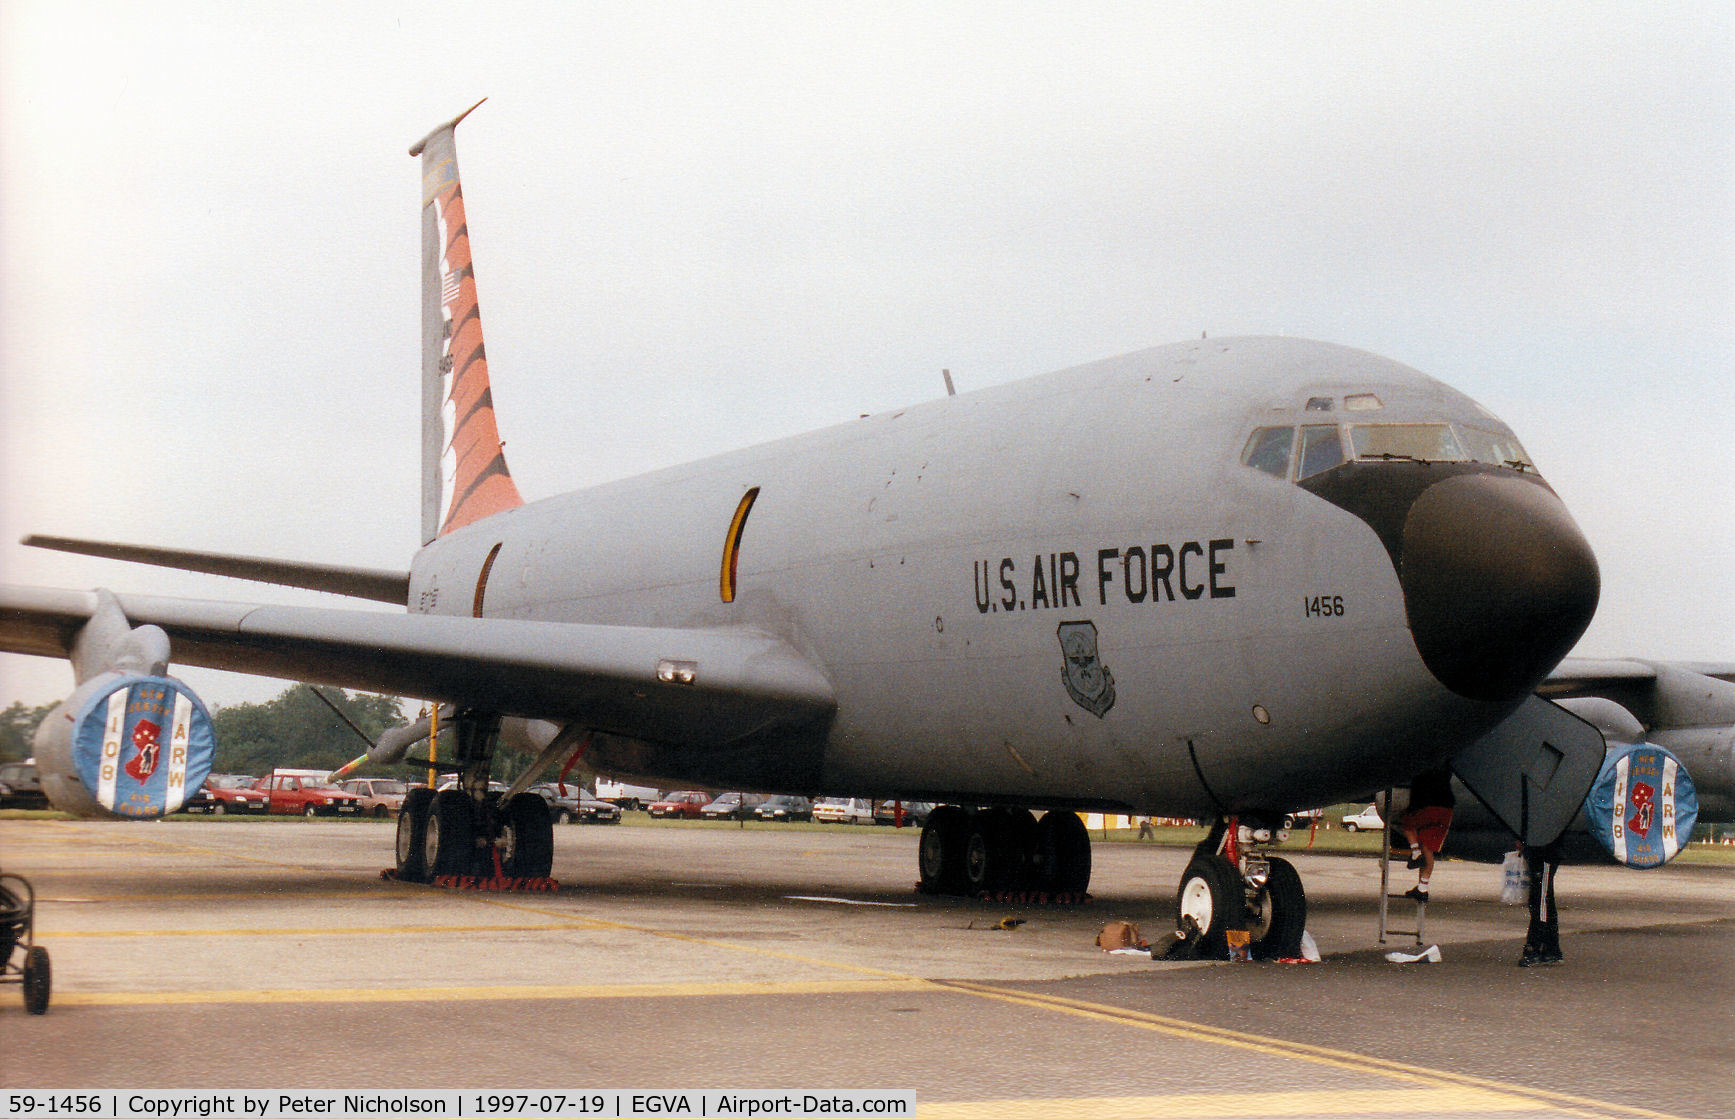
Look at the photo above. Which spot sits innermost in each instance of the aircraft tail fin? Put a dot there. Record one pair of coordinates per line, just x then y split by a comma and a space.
464, 475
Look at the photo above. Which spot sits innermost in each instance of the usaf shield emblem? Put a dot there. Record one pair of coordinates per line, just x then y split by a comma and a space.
1088, 681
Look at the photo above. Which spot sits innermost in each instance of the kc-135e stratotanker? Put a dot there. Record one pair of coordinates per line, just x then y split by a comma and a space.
1227, 578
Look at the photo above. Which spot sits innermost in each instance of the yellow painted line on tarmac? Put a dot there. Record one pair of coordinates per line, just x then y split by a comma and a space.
324, 930
491, 994
1233, 1105
1295, 1050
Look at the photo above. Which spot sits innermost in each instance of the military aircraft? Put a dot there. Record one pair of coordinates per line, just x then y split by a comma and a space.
1225, 578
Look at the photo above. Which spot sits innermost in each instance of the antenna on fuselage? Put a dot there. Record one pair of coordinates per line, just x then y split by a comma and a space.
950, 391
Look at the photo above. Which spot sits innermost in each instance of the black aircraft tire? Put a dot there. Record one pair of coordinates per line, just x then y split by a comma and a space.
1064, 853
38, 977
991, 855
413, 835
940, 855
450, 841
1285, 914
1211, 894
1020, 840
531, 851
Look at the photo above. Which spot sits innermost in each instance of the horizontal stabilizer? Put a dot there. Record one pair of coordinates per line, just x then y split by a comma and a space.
355, 582
699, 688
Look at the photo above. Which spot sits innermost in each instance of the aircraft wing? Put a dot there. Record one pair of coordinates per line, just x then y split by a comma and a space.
667, 685
1624, 681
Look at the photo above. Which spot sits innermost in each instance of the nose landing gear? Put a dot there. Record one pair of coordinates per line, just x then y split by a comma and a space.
1233, 884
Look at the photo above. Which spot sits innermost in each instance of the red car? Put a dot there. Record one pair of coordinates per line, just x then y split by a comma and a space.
288, 795
684, 805
224, 793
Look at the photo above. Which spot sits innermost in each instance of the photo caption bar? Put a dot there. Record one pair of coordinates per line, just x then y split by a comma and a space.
613, 1103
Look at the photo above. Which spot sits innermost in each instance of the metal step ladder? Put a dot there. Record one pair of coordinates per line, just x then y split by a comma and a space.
1386, 896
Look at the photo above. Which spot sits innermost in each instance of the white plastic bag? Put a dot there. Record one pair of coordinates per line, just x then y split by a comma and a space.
1514, 888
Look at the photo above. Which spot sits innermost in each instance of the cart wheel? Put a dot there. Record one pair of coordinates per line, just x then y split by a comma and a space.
36, 980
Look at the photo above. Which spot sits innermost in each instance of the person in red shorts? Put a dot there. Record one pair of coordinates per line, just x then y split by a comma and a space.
1425, 823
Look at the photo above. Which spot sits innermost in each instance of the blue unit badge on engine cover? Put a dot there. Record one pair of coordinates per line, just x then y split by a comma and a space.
1642, 807
143, 744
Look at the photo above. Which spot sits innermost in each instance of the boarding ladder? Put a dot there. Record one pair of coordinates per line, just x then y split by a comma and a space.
1386, 896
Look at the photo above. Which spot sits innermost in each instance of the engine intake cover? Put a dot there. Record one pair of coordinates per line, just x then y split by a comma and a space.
142, 744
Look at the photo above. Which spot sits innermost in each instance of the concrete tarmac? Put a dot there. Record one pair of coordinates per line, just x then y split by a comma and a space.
271, 954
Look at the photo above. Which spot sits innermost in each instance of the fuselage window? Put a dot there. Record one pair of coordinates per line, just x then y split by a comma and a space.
1268, 450
1321, 449
1410, 442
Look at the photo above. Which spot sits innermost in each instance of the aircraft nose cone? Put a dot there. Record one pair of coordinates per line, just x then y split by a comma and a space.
1498, 583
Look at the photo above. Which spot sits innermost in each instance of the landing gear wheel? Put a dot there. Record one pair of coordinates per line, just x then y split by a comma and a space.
993, 857
1063, 853
413, 835
450, 844
1211, 900
1277, 935
37, 980
941, 853
528, 832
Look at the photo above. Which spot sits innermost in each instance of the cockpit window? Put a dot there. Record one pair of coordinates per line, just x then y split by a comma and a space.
1362, 402
1268, 450
1500, 450
1410, 442
1321, 449
1319, 404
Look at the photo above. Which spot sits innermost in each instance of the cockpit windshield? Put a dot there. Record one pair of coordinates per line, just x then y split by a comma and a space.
1279, 452
1410, 442
1501, 450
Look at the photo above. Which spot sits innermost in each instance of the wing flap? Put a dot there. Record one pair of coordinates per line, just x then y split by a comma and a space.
624, 680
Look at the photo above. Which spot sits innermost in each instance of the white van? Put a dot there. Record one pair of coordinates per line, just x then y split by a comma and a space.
626, 796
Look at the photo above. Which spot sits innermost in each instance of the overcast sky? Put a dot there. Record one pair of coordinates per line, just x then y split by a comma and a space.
701, 226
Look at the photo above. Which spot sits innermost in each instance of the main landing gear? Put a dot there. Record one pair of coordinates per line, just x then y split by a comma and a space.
1231, 884
467, 832
978, 851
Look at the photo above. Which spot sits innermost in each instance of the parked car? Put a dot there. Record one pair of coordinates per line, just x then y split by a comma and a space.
1368, 819
843, 810
732, 806
594, 811
685, 805
21, 786
915, 812
570, 804
287, 794
784, 808
380, 796
223, 793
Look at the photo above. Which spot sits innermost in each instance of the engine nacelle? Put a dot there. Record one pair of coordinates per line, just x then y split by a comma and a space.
125, 745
